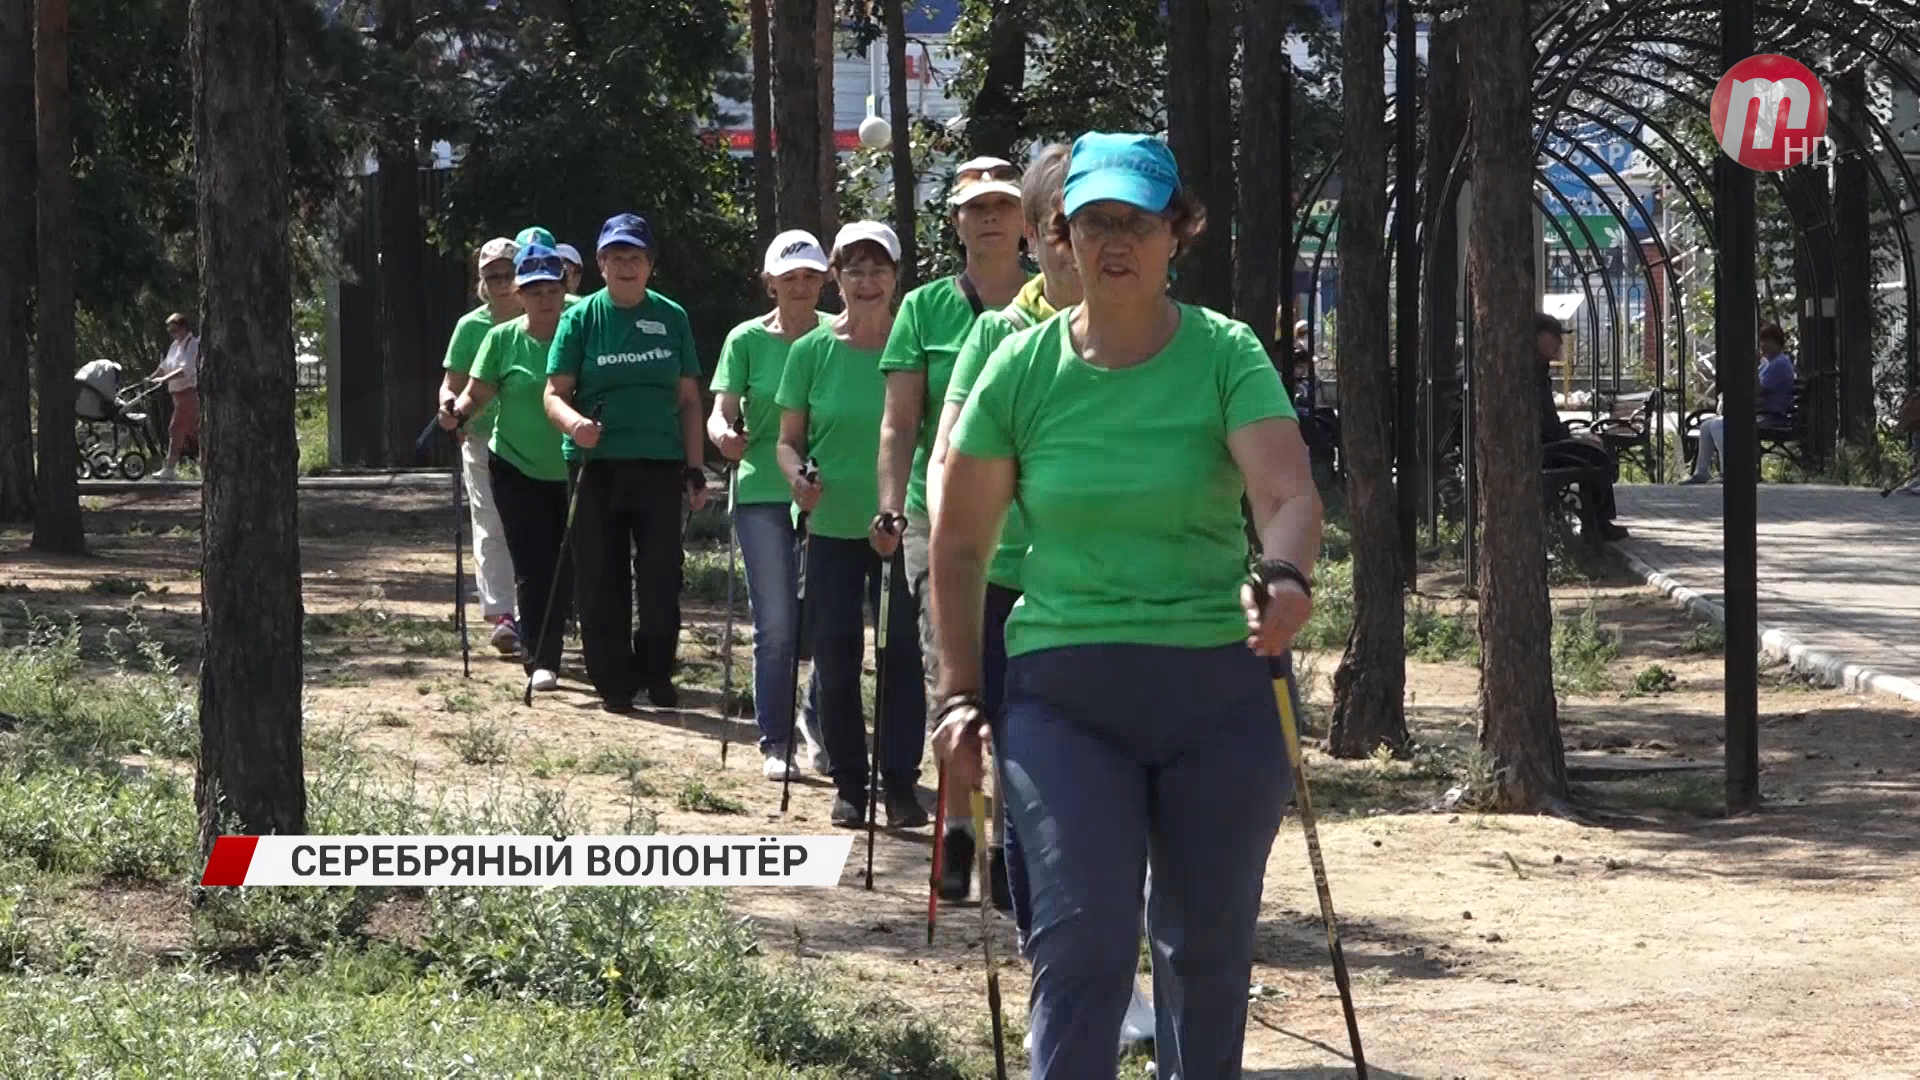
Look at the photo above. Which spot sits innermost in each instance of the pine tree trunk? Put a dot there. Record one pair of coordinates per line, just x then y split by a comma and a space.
765, 207
1853, 248
1369, 686
408, 376
829, 157
56, 519
1264, 211
250, 776
1519, 729
797, 116
1200, 134
993, 121
906, 180
16, 273
1446, 112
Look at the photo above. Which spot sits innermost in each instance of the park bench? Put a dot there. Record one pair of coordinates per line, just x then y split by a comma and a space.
1627, 429
1787, 441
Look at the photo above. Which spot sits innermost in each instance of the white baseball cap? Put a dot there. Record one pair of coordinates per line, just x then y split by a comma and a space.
868, 230
571, 254
984, 176
795, 249
498, 248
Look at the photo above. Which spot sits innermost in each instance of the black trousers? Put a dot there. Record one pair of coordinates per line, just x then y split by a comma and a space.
1599, 471
843, 583
534, 515
626, 546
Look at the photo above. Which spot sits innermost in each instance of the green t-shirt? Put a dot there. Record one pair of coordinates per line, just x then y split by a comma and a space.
630, 360
1130, 496
514, 363
468, 333
933, 323
844, 394
751, 363
1028, 309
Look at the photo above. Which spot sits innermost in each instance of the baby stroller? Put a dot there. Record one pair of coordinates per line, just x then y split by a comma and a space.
114, 436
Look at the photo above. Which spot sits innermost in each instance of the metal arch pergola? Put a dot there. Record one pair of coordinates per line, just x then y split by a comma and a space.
1615, 68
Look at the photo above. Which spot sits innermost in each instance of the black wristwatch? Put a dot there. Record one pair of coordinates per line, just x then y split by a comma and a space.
1272, 570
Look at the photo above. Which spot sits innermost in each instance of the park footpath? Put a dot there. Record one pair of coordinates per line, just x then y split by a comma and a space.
1839, 582
372, 480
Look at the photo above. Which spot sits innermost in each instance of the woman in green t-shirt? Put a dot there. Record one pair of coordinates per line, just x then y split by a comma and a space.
625, 354
744, 385
934, 322
1140, 726
832, 394
528, 473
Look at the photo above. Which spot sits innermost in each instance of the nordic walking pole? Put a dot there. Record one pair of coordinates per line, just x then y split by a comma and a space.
939, 831
726, 648
979, 801
1281, 668
810, 472
566, 540
887, 522
459, 556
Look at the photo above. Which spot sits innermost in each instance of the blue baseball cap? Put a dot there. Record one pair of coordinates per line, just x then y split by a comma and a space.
537, 262
1134, 169
625, 229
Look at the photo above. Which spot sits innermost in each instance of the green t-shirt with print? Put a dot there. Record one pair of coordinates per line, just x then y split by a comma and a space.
933, 323
843, 392
629, 360
514, 363
1029, 309
468, 333
1130, 495
751, 362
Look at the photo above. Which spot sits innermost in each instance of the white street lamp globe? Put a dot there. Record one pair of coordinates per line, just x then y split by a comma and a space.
875, 133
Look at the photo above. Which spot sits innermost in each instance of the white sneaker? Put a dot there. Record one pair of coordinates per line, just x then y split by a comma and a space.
165, 472
1026, 1045
1138, 1025
544, 680
775, 767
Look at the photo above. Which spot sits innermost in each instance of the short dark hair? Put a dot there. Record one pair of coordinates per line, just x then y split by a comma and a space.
1544, 323
1773, 331
861, 251
1184, 214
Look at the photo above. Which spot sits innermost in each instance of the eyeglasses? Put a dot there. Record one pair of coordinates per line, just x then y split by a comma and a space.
497, 277
992, 172
1099, 226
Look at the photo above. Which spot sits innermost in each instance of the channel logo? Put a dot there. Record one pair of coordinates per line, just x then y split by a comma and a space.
1770, 114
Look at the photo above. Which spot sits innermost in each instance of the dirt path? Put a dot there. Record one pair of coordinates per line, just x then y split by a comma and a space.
1656, 938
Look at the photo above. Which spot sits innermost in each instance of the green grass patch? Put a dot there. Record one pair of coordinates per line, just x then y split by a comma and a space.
482, 744
1582, 649
1705, 639
119, 586
140, 706
310, 430
706, 577
1439, 637
1332, 619
371, 621
1654, 679
697, 798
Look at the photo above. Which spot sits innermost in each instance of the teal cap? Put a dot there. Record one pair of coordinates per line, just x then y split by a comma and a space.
534, 234
1134, 169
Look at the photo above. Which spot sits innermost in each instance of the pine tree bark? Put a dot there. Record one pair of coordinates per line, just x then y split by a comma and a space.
1369, 686
1264, 213
1519, 725
1853, 248
17, 213
56, 517
250, 777
1200, 134
765, 206
993, 121
797, 116
906, 180
829, 156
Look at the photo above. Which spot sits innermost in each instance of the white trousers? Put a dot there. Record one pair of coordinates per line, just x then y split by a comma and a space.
493, 567
1713, 445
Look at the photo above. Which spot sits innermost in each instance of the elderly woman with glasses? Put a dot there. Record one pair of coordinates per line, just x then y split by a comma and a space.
934, 322
493, 562
1141, 728
526, 466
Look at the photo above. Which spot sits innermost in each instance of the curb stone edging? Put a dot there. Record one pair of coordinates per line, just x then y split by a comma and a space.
1778, 644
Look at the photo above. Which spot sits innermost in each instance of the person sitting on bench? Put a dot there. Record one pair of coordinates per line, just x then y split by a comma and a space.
1775, 406
1562, 449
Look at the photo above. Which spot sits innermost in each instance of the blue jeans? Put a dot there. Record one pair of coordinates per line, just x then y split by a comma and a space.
843, 580
1121, 756
765, 533
993, 663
